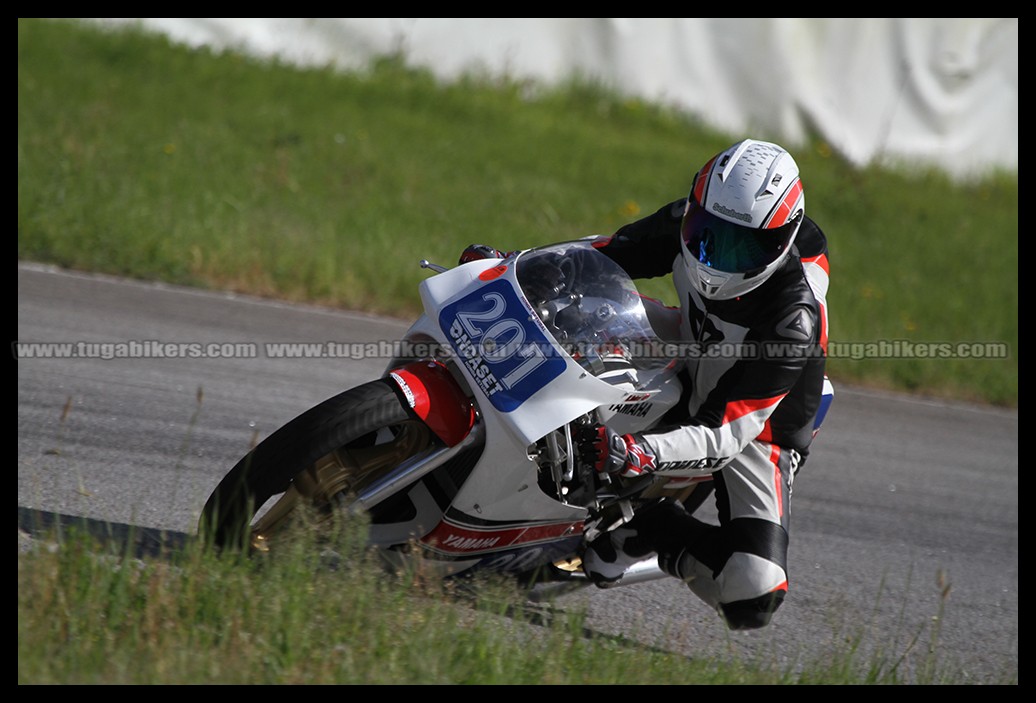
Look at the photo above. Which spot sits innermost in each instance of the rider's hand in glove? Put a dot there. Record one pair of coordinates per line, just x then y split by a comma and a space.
478, 252
626, 454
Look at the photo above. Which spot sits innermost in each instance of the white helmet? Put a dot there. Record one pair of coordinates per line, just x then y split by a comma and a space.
743, 212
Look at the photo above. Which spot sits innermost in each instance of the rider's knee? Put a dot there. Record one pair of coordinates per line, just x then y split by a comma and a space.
753, 613
751, 588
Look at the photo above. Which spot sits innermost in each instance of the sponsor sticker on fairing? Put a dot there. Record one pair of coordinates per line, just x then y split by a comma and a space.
506, 353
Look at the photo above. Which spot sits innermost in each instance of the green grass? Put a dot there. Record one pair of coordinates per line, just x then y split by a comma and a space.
90, 612
142, 158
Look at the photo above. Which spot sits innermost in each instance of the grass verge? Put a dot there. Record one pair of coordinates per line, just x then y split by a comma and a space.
91, 612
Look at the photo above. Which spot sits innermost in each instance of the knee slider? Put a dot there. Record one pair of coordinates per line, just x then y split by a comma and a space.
753, 613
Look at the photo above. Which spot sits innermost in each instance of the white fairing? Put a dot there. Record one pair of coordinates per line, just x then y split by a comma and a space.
527, 383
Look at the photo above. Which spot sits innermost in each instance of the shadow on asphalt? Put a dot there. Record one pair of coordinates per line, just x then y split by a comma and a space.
139, 541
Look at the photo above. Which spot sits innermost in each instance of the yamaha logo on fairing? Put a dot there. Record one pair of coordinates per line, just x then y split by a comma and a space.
470, 543
634, 409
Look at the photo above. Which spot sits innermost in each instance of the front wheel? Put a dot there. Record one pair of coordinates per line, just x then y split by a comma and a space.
334, 449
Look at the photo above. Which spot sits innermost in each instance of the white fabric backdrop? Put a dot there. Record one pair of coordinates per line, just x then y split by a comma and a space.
940, 91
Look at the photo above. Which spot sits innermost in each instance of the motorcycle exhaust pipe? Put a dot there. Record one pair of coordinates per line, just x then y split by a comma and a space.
642, 571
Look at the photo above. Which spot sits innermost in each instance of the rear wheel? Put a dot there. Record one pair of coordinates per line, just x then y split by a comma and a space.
331, 451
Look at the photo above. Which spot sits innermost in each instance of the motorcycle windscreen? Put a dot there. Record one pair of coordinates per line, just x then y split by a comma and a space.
592, 309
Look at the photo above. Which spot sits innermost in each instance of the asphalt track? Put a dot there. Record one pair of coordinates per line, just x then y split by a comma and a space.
903, 498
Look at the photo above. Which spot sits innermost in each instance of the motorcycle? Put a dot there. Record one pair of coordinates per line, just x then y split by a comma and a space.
469, 453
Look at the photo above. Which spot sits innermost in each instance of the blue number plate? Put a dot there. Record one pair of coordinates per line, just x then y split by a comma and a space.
507, 354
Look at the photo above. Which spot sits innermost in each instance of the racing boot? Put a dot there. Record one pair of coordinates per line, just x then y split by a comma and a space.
665, 529
608, 557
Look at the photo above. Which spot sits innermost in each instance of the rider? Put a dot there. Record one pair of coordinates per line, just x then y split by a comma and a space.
751, 273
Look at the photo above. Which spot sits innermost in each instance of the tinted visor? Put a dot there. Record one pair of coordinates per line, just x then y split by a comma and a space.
733, 248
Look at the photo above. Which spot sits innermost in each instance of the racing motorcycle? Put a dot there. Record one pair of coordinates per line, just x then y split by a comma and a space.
470, 453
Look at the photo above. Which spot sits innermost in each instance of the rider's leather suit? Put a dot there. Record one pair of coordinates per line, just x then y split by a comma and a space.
754, 373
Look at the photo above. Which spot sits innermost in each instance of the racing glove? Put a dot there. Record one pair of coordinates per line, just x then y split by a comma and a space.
478, 252
626, 455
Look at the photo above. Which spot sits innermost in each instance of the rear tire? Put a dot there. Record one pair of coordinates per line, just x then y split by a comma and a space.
332, 449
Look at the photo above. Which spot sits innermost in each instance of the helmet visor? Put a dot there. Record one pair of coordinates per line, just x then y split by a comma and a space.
732, 248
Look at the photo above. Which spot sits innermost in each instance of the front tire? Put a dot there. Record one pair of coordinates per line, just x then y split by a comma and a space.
333, 449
